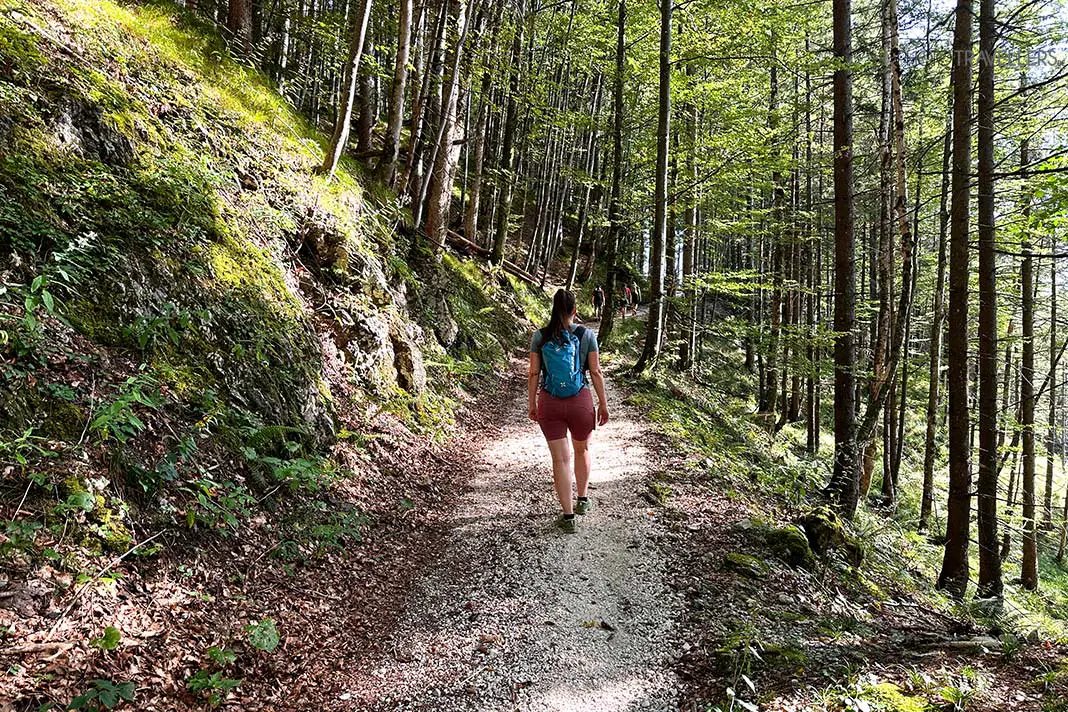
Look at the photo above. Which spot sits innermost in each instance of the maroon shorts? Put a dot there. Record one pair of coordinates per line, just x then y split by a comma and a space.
556, 416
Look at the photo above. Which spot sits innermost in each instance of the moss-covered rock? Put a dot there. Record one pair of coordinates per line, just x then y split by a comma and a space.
109, 528
827, 534
789, 544
62, 420
25, 405
746, 565
888, 697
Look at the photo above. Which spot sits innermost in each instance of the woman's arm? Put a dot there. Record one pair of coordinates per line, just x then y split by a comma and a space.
598, 385
533, 375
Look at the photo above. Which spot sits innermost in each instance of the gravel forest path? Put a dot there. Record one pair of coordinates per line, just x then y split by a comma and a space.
518, 616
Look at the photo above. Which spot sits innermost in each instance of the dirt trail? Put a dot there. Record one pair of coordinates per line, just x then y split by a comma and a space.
518, 616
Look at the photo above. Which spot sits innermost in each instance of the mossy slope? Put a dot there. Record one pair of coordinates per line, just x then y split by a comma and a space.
179, 280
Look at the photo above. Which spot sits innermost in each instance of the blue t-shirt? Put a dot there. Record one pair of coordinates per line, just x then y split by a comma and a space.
587, 345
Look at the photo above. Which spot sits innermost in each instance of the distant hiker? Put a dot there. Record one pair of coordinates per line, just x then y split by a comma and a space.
559, 400
626, 299
637, 295
598, 302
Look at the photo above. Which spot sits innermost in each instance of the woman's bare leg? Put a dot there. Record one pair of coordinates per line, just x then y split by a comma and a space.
561, 452
582, 466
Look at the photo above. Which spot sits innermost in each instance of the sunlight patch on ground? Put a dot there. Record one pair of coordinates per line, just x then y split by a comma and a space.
612, 696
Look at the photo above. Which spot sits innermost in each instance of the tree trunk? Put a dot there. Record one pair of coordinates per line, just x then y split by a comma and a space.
430, 100
881, 259
904, 304
771, 383
650, 352
420, 81
670, 245
938, 319
955, 567
689, 340
474, 197
615, 230
844, 481
507, 173
365, 117
284, 48
1051, 423
387, 165
654, 324
592, 169
1029, 565
348, 97
990, 584
445, 157
902, 408
239, 22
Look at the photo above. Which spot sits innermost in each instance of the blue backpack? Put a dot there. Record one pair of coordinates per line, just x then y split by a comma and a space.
562, 373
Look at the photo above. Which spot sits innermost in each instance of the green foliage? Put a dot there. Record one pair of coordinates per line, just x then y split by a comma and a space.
488, 315
167, 328
166, 469
222, 656
219, 505
79, 499
24, 334
429, 413
318, 528
263, 635
660, 492
19, 536
20, 52
147, 246
109, 640
741, 647
103, 695
119, 418
1054, 682
960, 692
298, 473
212, 686
533, 301
24, 449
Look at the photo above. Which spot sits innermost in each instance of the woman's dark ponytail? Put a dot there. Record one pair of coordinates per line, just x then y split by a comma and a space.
563, 307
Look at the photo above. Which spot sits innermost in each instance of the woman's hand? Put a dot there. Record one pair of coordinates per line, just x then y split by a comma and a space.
532, 411
602, 414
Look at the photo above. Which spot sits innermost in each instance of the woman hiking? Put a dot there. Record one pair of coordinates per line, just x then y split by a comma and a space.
559, 400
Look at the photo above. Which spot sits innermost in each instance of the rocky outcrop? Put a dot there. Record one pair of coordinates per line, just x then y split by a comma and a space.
81, 126
408, 359
319, 241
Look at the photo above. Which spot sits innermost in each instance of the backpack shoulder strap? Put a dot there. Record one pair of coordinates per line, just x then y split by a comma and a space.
541, 347
580, 334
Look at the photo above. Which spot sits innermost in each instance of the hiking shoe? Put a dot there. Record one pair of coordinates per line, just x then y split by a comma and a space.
567, 524
582, 505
